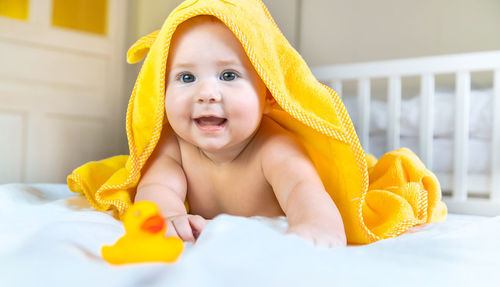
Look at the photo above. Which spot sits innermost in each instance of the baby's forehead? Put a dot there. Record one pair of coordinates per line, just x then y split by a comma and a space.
198, 32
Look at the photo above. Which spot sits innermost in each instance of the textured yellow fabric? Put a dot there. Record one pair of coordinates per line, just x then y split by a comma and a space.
402, 192
314, 112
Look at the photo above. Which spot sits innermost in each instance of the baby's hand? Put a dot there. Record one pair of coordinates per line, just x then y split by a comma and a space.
186, 226
319, 236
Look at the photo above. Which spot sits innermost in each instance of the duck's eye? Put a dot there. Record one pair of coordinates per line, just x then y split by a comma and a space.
187, 78
228, 76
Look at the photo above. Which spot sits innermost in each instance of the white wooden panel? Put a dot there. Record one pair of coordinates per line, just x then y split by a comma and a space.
426, 132
38, 30
54, 98
34, 136
67, 143
40, 12
117, 91
11, 147
24, 62
393, 130
29, 34
495, 169
461, 137
68, 85
364, 112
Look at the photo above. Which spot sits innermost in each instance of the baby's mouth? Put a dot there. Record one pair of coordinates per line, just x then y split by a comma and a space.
210, 122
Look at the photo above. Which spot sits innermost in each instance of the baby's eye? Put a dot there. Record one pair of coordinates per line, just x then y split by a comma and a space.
228, 76
186, 78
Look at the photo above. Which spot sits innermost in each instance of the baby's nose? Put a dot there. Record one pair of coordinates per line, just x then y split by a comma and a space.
208, 93
208, 99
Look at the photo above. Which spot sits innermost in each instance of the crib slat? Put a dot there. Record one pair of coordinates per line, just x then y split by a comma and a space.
461, 142
426, 132
393, 131
495, 148
364, 112
337, 86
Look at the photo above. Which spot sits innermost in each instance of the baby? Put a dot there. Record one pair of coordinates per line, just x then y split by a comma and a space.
222, 153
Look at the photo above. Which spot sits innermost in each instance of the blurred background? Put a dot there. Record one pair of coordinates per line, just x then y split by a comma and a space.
64, 81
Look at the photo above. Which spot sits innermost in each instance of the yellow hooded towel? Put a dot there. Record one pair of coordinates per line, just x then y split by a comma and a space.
397, 194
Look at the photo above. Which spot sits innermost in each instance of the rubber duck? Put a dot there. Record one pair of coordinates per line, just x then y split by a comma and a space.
144, 239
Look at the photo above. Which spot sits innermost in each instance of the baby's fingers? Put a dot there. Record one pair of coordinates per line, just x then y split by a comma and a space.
197, 224
171, 229
183, 228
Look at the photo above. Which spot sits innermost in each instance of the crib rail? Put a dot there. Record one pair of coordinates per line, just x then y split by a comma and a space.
427, 68
495, 195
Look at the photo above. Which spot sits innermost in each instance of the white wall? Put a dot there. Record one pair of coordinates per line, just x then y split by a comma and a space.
339, 31
286, 13
145, 16
148, 15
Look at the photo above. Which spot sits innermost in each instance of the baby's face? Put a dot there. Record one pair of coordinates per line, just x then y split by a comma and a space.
214, 99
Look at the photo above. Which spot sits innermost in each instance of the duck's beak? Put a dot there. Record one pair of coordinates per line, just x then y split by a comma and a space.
153, 224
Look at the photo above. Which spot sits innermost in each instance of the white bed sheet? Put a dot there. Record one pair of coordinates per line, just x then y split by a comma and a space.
50, 237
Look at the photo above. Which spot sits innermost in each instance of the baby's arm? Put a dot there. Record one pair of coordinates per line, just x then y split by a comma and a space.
164, 183
310, 211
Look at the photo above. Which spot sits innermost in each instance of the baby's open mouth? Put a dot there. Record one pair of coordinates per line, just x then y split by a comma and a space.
210, 121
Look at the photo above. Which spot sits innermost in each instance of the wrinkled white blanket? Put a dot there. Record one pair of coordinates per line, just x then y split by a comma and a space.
50, 237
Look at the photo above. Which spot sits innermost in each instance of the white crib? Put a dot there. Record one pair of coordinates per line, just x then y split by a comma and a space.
464, 192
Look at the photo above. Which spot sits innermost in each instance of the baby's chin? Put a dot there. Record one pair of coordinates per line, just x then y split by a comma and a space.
222, 150
215, 147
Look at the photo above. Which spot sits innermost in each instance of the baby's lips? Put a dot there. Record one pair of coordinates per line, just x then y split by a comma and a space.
153, 224
210, 121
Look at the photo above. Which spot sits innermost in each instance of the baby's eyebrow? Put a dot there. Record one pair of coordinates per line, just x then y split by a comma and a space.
219, 63
228, 63
183, 65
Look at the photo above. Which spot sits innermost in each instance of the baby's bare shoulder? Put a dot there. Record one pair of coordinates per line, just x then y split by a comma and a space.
277, 140
168, 145
284, 159
163, 166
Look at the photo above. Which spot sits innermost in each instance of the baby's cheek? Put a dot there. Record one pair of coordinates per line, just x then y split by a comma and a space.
177, 107
178, 118
248, 107
247, 121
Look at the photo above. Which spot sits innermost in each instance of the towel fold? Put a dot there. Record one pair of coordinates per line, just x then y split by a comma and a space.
402, 193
